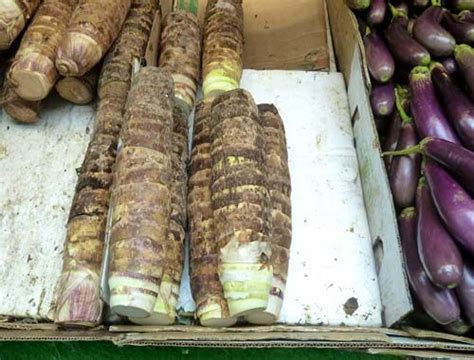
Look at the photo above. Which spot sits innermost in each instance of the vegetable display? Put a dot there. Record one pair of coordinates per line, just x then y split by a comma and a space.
14, 15
428, 143
92, 29
33, 72
78, 302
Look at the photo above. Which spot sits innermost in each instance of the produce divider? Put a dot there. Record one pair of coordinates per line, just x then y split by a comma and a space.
271, 44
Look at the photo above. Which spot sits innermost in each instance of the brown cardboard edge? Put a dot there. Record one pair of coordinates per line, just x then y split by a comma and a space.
261, 329
428, 334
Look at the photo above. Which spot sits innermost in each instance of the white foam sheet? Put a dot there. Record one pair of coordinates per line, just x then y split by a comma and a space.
37, 180
332, 277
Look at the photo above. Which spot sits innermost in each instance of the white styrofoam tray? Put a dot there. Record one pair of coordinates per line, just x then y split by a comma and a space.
332, 277
37, 179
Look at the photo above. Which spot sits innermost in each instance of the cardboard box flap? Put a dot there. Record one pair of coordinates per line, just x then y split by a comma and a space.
377, 195
346, 41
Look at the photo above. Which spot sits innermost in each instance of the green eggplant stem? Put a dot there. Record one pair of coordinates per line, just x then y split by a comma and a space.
415, 149
400, 109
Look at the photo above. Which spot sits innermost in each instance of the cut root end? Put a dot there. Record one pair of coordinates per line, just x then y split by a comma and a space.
132, 297
31, 85
269, 315
246, 306
213, 316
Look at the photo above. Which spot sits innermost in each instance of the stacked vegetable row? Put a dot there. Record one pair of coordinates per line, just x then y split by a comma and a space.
239, 187
421, 62
65, 38
78, 298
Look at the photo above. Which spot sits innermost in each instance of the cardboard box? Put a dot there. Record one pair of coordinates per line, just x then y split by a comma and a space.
301, 35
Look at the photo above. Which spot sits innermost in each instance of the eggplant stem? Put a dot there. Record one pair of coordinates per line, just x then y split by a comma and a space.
415, 149
400, 109
435, 2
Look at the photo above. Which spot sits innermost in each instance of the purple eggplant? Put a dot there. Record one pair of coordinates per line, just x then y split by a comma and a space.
465, 291
438, 252
459, 108
379, 59
462, 31
377, 11
458, 327
455, 206
429, 117
358, 4
391, 139
463, 5
456, 158
405, 170
382, 99
440, 304
431, 34
405, 49
464, 55
451, 66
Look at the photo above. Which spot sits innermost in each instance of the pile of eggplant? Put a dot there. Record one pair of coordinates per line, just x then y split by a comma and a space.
421, 61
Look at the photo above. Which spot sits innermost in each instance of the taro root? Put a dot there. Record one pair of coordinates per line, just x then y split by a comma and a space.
93, 27
79, 90
78, 301
164, 310
33, 73
212, 309
14, 15
181, 55
141, 196
279, 185
223, 46
241, 202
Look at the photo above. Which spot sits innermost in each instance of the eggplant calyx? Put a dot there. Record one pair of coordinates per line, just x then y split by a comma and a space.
436, 3
462, 15
408, 212
420, 72
437, 65
422, 182
462, 49
396, 12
